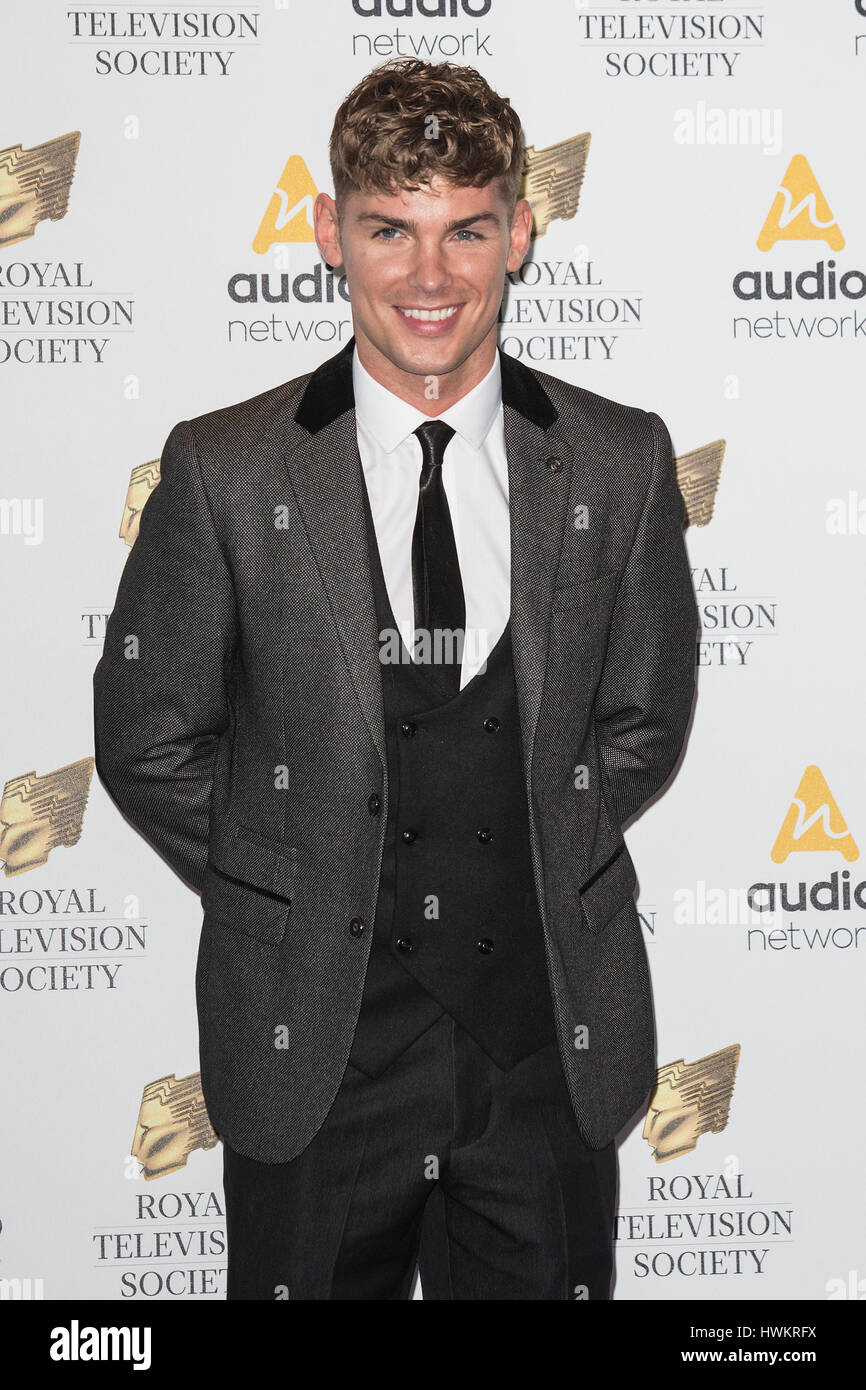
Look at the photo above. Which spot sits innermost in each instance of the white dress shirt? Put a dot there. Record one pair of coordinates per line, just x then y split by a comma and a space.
475, 479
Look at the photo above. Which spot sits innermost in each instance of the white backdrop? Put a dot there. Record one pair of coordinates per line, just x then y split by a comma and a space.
122, 314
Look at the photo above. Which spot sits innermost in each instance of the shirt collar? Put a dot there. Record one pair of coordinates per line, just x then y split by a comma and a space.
390, 420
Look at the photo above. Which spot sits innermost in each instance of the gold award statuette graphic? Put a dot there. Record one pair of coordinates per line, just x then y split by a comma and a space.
142, 481
690, 1099
552, 180
799, 211
172, 1123
39, 813
698, 474
35, 184
289, 214
813, 821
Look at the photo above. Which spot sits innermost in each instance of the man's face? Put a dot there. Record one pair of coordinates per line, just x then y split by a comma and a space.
439, 248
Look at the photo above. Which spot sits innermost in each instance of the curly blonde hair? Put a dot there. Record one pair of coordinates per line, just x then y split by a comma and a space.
408, 120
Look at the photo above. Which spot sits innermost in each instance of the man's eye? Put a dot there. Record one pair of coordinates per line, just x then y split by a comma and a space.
461, 231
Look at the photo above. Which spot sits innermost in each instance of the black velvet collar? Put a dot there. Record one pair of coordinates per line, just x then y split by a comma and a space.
329, 391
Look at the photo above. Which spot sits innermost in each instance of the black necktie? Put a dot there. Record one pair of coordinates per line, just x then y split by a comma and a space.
436, 584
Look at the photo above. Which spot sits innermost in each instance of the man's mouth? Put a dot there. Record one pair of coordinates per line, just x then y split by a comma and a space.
429, 315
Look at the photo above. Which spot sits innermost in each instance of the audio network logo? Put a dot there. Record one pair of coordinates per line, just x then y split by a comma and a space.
800, 212
813, 821
812, 824
288, 216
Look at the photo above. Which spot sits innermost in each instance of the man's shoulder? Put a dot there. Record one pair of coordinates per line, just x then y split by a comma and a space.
253, 418
580, 409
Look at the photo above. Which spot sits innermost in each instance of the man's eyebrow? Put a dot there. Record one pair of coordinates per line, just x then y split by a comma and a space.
405, 225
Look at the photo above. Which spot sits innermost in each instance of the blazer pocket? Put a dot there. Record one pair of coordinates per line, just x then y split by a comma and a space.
249, 882
243, 908
587, 592
609, 890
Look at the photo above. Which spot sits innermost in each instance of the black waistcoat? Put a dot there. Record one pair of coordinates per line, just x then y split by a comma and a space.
457, 927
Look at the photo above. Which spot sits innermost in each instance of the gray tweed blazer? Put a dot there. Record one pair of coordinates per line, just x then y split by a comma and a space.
242, 731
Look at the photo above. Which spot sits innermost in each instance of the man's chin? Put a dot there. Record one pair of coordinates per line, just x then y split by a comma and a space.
425, 358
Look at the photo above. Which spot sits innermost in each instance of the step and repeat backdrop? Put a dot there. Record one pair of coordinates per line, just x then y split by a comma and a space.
699, 250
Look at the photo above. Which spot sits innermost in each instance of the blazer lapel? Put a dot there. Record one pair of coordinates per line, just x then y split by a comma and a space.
326, 474
539, 473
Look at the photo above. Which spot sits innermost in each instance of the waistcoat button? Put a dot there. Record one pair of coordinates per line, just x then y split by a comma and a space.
407, 728
405, 943
492, 724
484, 835
409, 836
485, 945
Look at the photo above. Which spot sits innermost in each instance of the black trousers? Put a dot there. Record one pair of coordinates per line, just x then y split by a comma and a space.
477, 1174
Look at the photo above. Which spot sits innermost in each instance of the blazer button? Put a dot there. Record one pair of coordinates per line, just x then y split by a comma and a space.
405, 943
485, 945
492, 724
373, 805
409, 836
555, 465
407, 728
485, 836
356, 926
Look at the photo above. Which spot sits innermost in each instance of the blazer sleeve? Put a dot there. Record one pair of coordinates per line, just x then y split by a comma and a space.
160, 686
647, 682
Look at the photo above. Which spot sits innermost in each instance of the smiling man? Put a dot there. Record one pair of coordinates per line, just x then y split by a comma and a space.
415, 637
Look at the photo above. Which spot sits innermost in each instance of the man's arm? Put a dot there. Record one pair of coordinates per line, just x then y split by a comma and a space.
160, 699
647, 683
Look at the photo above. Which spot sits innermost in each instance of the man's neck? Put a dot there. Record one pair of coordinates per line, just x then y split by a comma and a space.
413, 388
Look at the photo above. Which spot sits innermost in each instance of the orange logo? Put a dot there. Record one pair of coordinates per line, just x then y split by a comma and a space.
289, 214
799, 211
813, 821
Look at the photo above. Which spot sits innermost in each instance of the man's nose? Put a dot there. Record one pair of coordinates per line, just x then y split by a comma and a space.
429, 270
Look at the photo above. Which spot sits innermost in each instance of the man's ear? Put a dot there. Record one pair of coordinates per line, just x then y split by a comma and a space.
521, 234
326, 228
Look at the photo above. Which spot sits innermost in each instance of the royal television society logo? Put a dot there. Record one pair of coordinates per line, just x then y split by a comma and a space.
172, 1123
38, 814
688, 1100
698, 473
172, 1243
49, 308
142, 482
35, 184
696, 1225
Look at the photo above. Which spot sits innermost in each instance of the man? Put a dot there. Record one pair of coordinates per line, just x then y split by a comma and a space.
401, 645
